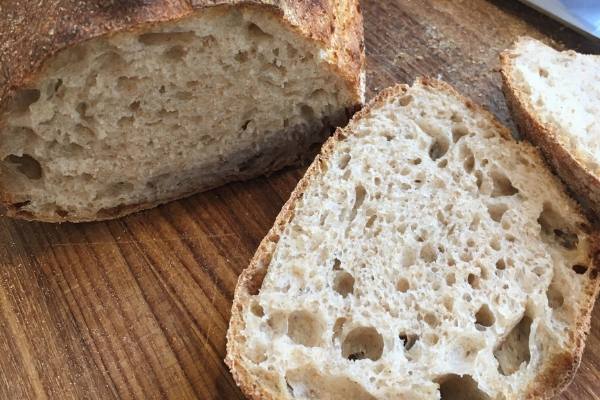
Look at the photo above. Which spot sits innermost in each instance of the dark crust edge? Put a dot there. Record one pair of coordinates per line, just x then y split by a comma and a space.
344, 33
560, 368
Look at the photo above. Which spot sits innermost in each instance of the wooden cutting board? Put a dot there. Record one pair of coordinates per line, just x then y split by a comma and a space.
138, 307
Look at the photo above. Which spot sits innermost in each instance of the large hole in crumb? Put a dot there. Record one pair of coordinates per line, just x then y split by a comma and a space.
257, 309
125, 84
278, 322
484, 318
337, 265
256, 33
473, 281
61, 213
241, 56
343, 283
405, 100
439, 145
438, 148
456, 387
307, 112
554, 225
403, 285
26, 165
478, 179
431, 320
566, 238
82, 110
359, 197
497, 211
469, 159
458, 131
344, 160
135, 105
514, 350
500, 264
502, 185
125, 122
362, 343
22, 99
408, 340
580, 269
555, 297
175, 53
456, 117
53, 88
166, 38
428, 253
305, 328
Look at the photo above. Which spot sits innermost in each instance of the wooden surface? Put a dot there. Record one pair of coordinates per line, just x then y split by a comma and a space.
138, 308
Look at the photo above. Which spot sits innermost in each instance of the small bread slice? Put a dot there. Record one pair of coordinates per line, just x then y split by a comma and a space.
424, 255
555, 100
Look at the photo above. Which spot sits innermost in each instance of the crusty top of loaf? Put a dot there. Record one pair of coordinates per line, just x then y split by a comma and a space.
34, 31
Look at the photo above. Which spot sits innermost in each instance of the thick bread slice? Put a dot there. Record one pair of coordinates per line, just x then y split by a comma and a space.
555, 100
111, 107
424, 255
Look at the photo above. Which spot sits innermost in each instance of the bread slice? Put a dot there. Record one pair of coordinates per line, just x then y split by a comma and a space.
111, 107
424, 255
555, 101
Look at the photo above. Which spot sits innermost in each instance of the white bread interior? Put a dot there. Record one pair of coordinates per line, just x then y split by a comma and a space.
141, 117
425, 255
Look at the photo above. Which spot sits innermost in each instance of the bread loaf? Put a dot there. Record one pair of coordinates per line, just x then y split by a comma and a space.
111, 107
555, 101
424, 255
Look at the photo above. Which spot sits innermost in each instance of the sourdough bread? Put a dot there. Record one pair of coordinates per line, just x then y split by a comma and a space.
555, 101
111, 107
424, 255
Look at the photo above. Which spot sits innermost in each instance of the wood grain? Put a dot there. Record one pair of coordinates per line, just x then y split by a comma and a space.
138, 308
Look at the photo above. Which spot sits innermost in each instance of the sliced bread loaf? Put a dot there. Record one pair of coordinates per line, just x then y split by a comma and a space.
555, 99
111, 107
424, 255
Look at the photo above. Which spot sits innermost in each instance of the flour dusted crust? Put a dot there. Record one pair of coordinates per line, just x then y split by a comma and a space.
553, 377
29, 46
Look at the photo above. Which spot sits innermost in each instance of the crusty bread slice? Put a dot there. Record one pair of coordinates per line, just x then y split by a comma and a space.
555, 101
111, 107
424, 255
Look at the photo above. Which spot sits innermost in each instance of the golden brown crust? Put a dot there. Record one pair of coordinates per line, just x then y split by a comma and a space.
559, 370
33, 32
583, 182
